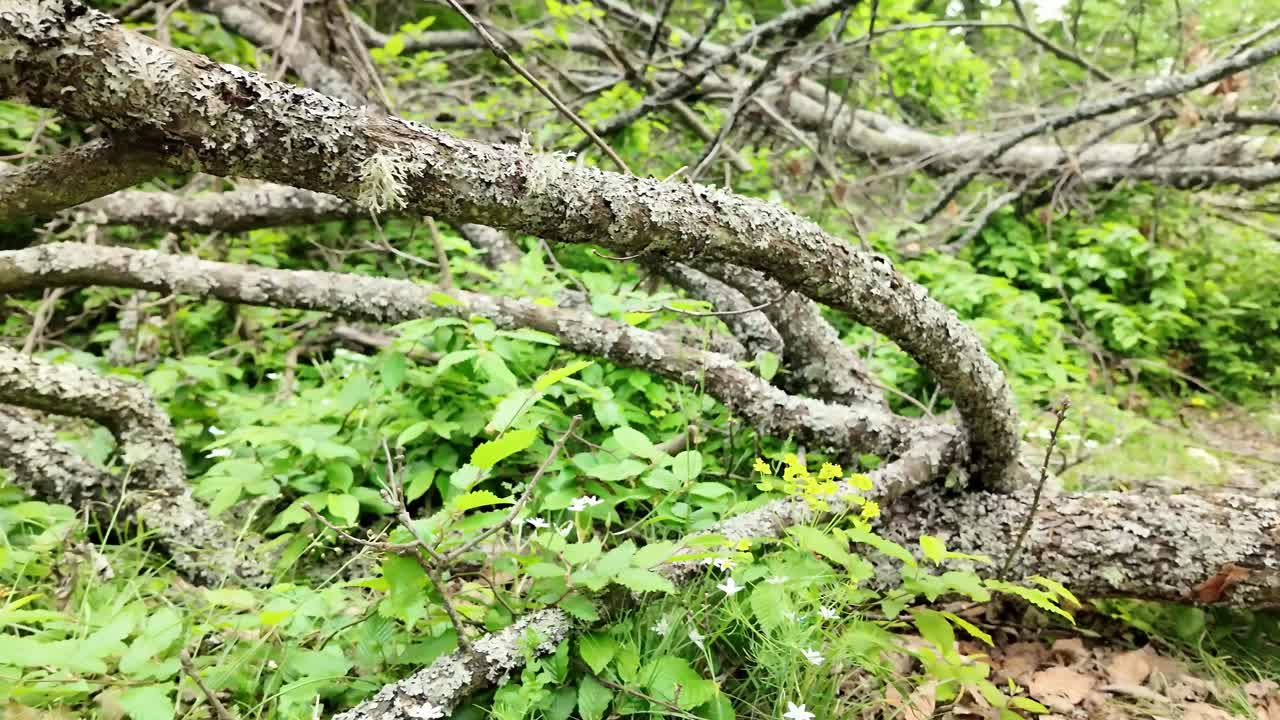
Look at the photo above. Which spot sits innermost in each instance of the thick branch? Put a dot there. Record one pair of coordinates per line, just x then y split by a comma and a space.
156, 490
751, 327
324, 145
770, 410
73, 176
499, 249
266, 205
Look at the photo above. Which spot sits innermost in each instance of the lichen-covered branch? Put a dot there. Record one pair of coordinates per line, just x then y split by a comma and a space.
752, 327
232, 122
499, 249
1140, 545
264, 205
155, 489
73, 176
768, 409
46, 468
819, 364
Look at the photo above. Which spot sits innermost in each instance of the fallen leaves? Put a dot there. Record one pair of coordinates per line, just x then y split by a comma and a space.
1212, 590
1060, 687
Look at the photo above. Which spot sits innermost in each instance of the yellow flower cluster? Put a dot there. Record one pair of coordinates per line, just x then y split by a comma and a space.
817, 489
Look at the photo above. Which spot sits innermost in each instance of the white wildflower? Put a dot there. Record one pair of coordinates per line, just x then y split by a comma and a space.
828, 613
215, 431
537, 522
797, 712
813, 656
697, 639
662, 627
564, 529
723, 563
730, 587
219, 453
582, 503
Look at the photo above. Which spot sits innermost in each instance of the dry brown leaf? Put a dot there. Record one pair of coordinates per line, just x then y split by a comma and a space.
919, 706
1071, 650
1211, 590
1130, 668
1061, 688
1205, 711
1260, 688
1018, 661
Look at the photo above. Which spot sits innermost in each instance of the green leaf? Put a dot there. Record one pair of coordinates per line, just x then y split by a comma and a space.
640, 580
597, 650
1055, 587
973, 630
441, 300
934, 548
583, 552
393, 48
479, 498
710, 490
816, 541
687, 466
413, 432
616, 560
394, 367
672, 679
235, 598
637, 443
888, 547
593, 699
767, 362
552, 377
344, 507
581, 607
488, 454
1028, 704
148, 702
616, 472
935, 628
653, 554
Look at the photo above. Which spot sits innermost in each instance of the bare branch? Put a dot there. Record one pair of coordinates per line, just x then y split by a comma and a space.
73, 176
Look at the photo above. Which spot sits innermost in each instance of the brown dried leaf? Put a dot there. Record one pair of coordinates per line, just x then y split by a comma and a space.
1061, 688
1019, 661
1205, 711
919, 706
1130, 668
1212, 590
1070, 650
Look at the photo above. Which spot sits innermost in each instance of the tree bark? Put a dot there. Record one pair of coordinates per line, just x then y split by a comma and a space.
228, 121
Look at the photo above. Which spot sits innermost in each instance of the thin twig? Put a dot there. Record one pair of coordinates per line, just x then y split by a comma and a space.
506, 57
1061, 414
442, 258
189, 668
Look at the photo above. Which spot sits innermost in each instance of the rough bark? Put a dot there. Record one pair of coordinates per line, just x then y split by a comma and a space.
155, 488
752, 327
73, 176
46, 468
818, 362
499, 249
266, 205
768, 409
1138, 545
228, 121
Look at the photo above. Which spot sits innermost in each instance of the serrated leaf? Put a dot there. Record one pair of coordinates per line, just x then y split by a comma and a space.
888, 547
615, 560
583, 552
1055, 587
653, 553
597, 650
476, 499
488, 454
581, 607
413, 432
593, 699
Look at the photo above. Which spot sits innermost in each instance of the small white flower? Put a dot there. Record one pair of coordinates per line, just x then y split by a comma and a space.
797, 712
273, 376
730, 587
662, 627
215, 431
697, 639
704, 561
812, 656
538, 523
564, 529
828, 613
778, 580
219, 453
1090, 444
723, 563
582, 503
